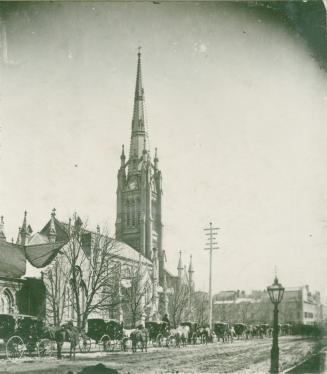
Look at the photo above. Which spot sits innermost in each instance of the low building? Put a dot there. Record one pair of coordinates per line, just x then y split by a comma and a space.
299, 306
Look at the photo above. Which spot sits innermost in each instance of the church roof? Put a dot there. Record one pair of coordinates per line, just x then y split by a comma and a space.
41, 255
38, 239
40, 252
12, 260
127, 252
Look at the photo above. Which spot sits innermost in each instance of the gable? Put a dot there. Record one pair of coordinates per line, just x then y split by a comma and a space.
61, 234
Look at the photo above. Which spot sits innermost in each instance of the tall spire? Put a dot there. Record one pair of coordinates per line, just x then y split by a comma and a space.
139, 136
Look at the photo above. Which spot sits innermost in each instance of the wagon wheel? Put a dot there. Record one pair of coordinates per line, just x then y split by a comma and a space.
172, 341
46, 348
15, 347
167, 341
106, 342
159, 340
85, 344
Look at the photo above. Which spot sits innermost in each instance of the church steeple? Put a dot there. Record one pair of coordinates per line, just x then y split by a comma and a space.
139, 136
139, 189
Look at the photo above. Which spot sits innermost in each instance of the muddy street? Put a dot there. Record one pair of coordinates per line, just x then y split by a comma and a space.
240, 356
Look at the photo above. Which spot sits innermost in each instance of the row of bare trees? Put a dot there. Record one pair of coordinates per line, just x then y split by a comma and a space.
87, 278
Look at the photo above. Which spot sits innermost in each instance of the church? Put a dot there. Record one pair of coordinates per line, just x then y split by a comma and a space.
139, 229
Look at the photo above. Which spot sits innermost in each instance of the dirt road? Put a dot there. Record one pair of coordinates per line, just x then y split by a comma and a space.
240, 356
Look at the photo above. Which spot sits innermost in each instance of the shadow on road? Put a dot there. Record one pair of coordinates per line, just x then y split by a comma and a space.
96, 369
315, 364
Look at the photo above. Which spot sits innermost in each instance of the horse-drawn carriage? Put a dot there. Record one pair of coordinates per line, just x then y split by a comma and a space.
240, 330
158, 332
108, 334
22, 334
224, 331
264, 327
194, 331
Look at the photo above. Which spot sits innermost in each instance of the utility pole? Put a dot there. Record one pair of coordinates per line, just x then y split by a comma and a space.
211, 232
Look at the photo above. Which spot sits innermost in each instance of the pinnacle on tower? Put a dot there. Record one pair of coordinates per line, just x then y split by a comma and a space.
180, 267
25, 231
19, 236
52, 229
122, 156
24, 225
2, 230
190, 268
156, 160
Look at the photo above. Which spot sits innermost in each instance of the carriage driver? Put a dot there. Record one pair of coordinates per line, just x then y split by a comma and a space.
166, 319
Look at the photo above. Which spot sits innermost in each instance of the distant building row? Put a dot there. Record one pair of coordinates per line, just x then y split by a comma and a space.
299, 306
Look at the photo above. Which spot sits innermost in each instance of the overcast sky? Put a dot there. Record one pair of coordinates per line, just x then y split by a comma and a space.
236, 105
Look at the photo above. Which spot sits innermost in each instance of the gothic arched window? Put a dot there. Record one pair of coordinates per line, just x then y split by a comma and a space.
133, 208
7, 301
128, 213
138, 210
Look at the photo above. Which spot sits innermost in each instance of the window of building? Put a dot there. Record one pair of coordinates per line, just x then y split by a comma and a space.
128, 213
6, 301
138, 210
133, 212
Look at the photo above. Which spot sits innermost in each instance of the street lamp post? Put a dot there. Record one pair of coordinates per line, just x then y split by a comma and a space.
276, 292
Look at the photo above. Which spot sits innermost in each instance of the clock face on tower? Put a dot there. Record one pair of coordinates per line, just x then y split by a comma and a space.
132, 185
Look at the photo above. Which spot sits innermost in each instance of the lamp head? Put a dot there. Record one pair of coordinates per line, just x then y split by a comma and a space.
276, 292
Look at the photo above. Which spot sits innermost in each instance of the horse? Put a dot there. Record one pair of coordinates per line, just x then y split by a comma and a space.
126, 336
61, 334
140, 335
72, 336
240, 330
205, 335
229, 334
181, 335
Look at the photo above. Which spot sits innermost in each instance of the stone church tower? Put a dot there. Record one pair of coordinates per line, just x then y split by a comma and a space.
139, 190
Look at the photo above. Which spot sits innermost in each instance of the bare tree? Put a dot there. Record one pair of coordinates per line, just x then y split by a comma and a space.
93, 263
201, 308
179, 302
56, 295
84, 276
243, 312
136, 290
